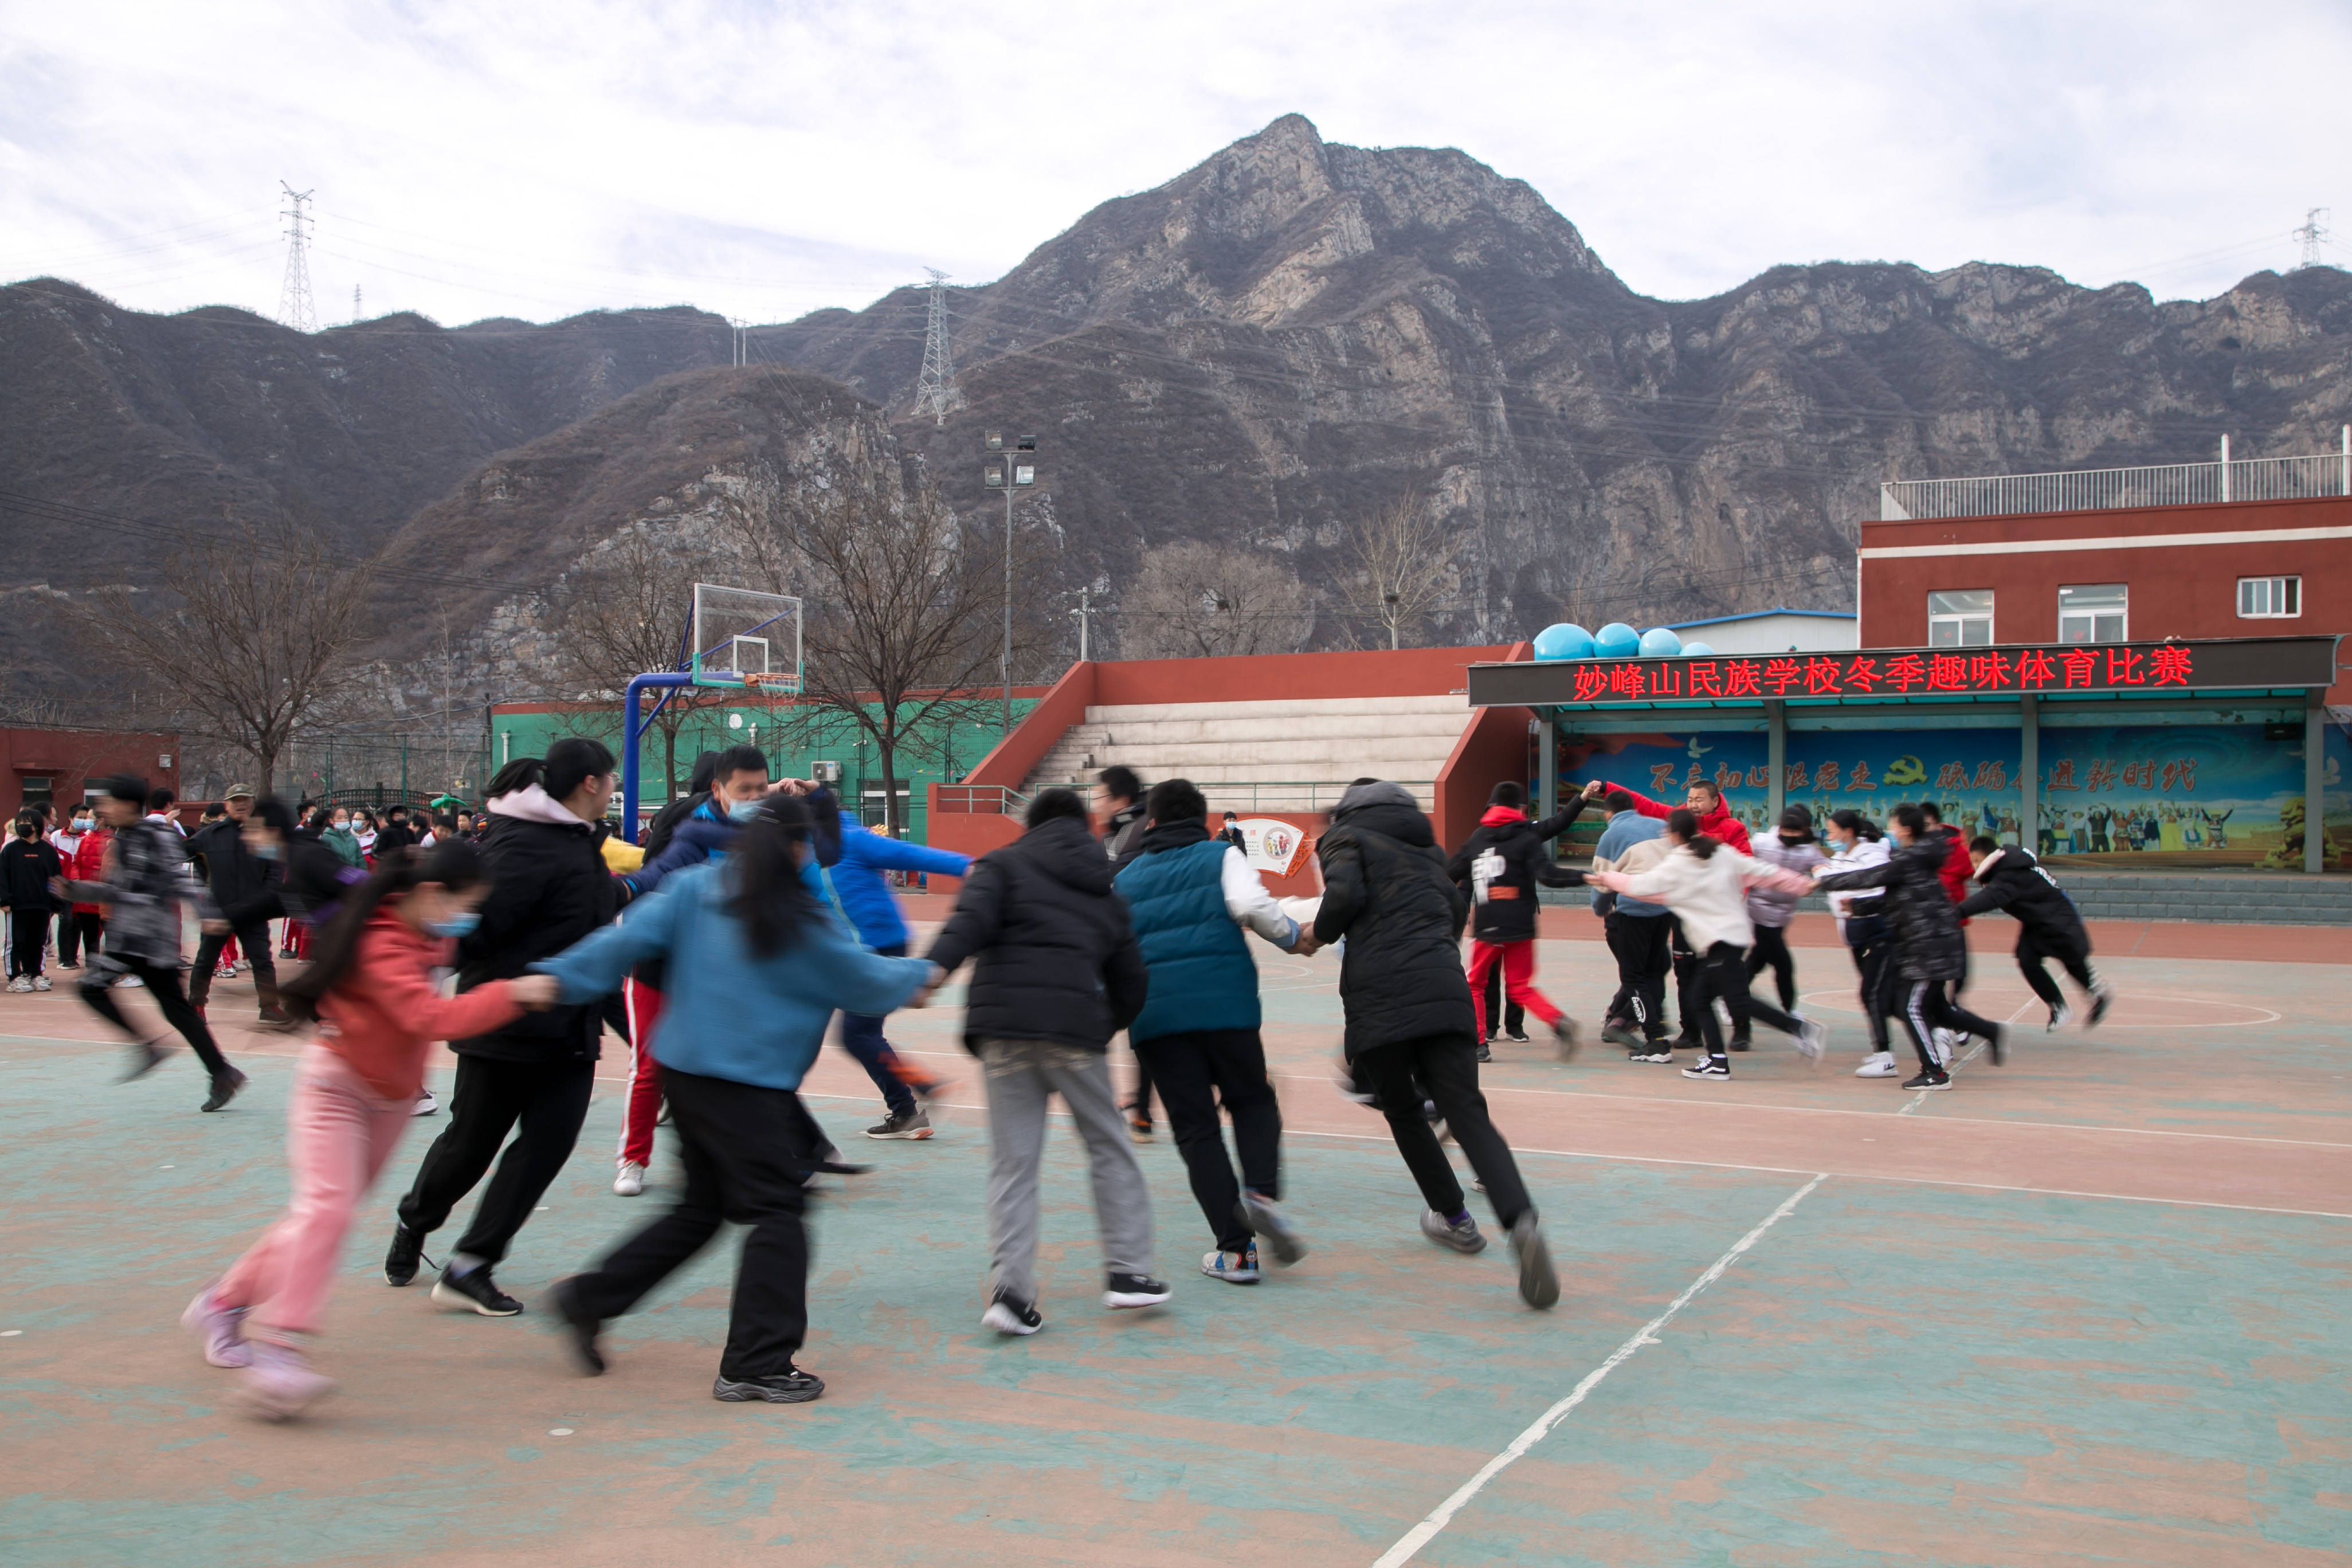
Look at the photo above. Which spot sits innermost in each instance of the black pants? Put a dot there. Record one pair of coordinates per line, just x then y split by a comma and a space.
1771, 950
1642, 946
1511, 1018
28, 940
1448, 1068
1872, 942
549, 1099
742, 1147
253, 941
1194, 1071
71, 931
1140, 1108
1928, 1005
162, 982
1689, 965
1722, 976
2033, 945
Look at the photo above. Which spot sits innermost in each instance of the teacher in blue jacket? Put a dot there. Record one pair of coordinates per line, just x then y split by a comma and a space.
871, 907
757, 963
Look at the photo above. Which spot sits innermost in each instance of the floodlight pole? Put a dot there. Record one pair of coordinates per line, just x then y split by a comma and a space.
1001, 467
1006, 727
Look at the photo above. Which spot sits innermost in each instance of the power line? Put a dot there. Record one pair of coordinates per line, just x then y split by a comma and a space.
2311, 236
294, 307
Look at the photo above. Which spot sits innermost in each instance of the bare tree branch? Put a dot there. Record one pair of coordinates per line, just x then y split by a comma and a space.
1194, 600
1398, 569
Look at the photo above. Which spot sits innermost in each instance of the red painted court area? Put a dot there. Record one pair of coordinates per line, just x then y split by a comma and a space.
2087, 1308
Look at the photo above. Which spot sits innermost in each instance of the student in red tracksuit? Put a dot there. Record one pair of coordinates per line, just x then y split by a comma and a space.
370, 990
1500, 865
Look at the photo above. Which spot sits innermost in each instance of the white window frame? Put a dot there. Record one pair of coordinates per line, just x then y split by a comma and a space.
1960, 621
2123, 614
2289, 587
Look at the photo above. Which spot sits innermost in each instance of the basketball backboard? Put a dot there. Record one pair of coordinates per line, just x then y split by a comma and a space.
744, 637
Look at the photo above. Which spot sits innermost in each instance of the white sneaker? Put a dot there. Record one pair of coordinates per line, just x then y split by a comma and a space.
1233, 1267
1878, 1064
1810, 1038
425, 1104
2060, 1016
129, 982
631, 1181
40, 982
20, 983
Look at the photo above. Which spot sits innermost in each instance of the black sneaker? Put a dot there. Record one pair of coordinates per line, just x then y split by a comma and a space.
145, 1056
1621, 1036
1934, 1078
224, 1087
914, 1126
475, 1291
2101, 1000
1486, 1052
1711, 1067
1123, 1291
401, 1258
1741, 1043
1999, 1041
1009, 1314
1538, 1283
275, 1019
1563, 1037
1518, 1035
1655, 1051
579, 1330
792, 1387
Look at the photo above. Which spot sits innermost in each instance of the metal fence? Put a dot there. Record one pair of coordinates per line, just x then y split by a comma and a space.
2091, 490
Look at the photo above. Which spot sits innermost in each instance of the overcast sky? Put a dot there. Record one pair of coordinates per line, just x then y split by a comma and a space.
535, 159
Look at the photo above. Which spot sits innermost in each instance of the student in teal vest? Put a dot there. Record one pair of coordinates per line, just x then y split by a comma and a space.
1188, 895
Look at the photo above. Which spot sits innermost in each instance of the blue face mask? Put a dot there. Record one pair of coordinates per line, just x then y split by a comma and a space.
455, 925
742, 810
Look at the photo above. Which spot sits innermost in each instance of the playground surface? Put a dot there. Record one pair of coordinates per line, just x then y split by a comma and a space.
2083, 1309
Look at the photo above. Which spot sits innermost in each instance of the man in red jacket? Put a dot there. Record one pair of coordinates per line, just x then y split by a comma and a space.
1705, 802
1714, 819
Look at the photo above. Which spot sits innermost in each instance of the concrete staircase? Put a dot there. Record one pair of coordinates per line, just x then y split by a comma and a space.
1275, 755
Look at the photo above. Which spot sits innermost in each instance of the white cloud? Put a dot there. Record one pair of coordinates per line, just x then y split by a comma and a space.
762, 160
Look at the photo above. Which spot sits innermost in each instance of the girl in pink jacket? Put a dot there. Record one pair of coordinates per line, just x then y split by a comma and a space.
369, 987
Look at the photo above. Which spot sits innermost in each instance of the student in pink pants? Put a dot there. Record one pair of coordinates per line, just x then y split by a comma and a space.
370, 989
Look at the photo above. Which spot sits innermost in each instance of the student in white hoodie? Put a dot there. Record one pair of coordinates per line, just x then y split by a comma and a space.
1705, 884
1857, 845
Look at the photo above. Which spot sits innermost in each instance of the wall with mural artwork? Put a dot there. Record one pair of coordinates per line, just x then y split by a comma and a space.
2223, 796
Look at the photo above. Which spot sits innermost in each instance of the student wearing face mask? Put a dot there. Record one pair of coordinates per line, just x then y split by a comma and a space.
371, 983
68, 839
29, 865
338, 836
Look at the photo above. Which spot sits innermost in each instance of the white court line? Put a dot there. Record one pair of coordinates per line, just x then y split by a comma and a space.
1421, 1535
1977, 1050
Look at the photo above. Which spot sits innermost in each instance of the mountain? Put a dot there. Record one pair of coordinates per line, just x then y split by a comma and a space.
1259, 353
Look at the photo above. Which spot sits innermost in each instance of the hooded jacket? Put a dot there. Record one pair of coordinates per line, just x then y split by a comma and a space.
2011, 878
1928, 943
1122, 838
1500, 864
1385, 890
90, 864
549, 888
1053, 957
1772, 906
1718, 824
1955, 871
385, 1013
146, 879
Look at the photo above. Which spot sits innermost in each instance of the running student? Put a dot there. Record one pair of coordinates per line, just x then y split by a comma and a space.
755, 965
1706, 883
371, 988
1929, 946
2049, 925
1117, 812
1640, 935
866, 899
1793, 848
1703, 798
1409, 1020
1857, 845
1189, 896
1502, 862
143, 879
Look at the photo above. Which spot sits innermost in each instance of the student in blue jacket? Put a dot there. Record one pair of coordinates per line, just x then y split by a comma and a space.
756, 965
866, 899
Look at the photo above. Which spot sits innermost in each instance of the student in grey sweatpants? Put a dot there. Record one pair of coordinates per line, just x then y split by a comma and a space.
1055, 973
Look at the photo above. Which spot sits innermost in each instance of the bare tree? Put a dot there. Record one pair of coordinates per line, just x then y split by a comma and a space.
903, 604
622, 611
1397, 569
252, 642
1192, 600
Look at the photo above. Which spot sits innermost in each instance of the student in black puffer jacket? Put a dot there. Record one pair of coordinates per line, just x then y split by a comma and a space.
1387, 896
2048, 924
1056, 973
1931, 951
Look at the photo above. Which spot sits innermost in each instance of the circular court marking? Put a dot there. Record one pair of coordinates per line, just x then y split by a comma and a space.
2178, 1012
558, 1431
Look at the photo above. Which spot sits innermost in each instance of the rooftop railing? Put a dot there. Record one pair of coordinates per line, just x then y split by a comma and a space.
2093, 489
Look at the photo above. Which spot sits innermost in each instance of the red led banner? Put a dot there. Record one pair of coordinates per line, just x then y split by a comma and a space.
2001, 670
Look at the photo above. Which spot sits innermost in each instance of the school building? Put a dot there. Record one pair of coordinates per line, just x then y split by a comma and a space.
58, 766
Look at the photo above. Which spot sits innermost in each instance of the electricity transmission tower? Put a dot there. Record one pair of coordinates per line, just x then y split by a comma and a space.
936, 392
2311, 236
294, 307
355, 304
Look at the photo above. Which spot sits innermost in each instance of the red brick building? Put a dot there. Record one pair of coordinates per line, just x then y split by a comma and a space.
59, 765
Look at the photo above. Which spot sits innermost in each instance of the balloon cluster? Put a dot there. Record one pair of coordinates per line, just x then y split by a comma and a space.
1615, 641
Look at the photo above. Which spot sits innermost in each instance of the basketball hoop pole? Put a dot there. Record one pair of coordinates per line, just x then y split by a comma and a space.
631, 724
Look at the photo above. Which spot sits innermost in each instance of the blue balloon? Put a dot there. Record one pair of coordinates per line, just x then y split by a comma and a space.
1617, 640
1563, 641
1698, 651
1660, 642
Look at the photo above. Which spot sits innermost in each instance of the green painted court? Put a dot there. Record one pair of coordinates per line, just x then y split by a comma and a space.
2087, 1309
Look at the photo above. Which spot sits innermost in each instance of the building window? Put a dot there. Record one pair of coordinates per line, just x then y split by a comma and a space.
2093, 612
1960, 618
2269, 598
